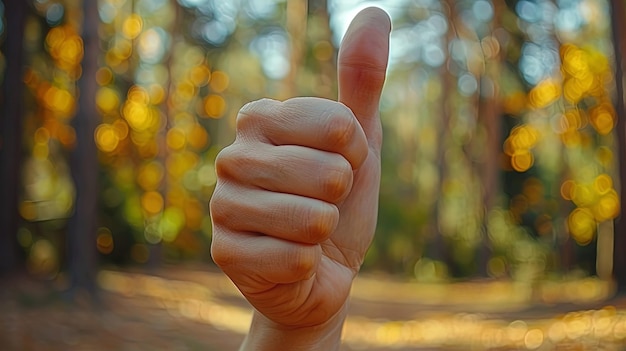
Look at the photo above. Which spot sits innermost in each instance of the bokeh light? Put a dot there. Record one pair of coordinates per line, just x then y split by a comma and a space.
214, 106
499, 165
132, 26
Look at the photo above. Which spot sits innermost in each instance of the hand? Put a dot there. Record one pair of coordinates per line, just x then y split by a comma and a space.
295, 205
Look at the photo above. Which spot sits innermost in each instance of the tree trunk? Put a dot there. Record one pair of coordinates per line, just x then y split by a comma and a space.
296, 27
84, 162
439, 250
618, 16
490, 117
11, 110
326, 69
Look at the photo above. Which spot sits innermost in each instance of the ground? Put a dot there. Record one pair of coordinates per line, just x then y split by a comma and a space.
182, 308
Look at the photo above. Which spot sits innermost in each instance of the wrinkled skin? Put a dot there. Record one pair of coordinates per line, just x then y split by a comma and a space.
295, 205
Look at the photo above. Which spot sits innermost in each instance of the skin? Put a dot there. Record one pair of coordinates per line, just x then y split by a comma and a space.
295, 205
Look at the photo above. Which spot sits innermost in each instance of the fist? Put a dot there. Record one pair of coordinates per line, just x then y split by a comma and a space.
295, 205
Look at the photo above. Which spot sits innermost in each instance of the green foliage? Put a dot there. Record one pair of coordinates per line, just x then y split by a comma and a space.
499, 143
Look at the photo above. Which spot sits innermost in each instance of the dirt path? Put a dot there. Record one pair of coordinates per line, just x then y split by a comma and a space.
198, 309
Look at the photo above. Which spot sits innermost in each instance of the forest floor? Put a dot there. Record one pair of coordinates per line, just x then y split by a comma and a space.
183, 308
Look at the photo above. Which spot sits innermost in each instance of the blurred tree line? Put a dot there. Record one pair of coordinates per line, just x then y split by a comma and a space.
503, 120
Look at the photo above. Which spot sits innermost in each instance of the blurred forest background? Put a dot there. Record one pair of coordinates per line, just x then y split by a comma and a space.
504, 129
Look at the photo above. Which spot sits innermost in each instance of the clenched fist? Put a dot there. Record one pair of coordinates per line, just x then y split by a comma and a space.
295, 205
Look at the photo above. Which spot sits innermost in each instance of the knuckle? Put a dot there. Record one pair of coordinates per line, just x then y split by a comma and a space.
303, 261
233, 161
320, 223
340, 130
247, 119
337, 181
216, 209
223, 162
220, 252
233, 208
253, 113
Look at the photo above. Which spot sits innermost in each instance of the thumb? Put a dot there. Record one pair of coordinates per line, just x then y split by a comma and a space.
361, 69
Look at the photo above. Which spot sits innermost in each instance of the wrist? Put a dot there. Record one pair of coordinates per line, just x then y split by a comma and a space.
268, 335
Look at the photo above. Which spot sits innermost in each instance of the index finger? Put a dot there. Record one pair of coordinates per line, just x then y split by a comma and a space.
311, 122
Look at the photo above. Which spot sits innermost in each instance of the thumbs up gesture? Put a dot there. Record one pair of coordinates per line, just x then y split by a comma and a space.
295, 205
